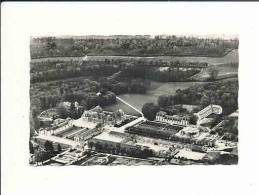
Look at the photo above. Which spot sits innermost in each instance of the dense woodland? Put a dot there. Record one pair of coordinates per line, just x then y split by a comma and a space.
131, 46
49, 70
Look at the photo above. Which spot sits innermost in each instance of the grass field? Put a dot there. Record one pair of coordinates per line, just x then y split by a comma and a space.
230, 57
225, 70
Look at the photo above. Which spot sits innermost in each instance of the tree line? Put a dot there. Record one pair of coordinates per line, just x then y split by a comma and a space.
120, 148
49, 70
132, 46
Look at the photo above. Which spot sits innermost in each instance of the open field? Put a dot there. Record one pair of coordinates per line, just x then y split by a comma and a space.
232, 56
156, 89
225, 71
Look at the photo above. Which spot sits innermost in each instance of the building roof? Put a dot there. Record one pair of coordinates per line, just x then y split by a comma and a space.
205, 121
190, 130
173, 117
161, 113
109, 137
96, 109
234, 114
190, 155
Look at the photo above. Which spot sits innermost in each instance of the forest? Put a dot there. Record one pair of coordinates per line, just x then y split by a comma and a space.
131, 46
49, 71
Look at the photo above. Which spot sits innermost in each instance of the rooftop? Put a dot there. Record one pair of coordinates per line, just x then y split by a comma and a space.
83, 123
234, 114
109, 137
190, 155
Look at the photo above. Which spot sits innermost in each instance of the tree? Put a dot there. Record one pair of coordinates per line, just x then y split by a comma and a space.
31, 147
50, 43
163, 101
193, 119
72, 110
150, 110
39, 155
49, 146
205, 101
62, 111
213, 74
59, 148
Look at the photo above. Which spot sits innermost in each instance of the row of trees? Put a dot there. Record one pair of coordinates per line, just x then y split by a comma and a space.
48, 71
62, 64
155, 133
141, 46
120, 149
125, 85
43, 73
155, 74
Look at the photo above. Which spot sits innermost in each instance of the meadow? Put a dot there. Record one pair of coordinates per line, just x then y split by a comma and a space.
230, 57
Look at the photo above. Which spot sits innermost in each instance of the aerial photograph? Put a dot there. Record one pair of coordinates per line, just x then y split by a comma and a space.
133, 100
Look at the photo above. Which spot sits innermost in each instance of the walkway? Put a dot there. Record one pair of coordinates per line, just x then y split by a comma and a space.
58, 140
132, 123
123, 101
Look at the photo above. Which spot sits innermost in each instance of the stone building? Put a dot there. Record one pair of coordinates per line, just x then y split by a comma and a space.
172, 119
98, 115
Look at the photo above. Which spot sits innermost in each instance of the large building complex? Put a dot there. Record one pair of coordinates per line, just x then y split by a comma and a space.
117, 134
216, 109
98, 115
172, 119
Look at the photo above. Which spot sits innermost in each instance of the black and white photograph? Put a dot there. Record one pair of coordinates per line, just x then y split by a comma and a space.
149, 98
133, 100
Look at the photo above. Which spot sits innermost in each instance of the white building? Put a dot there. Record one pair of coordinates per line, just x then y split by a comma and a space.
98, 115
215, 109
172, 119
